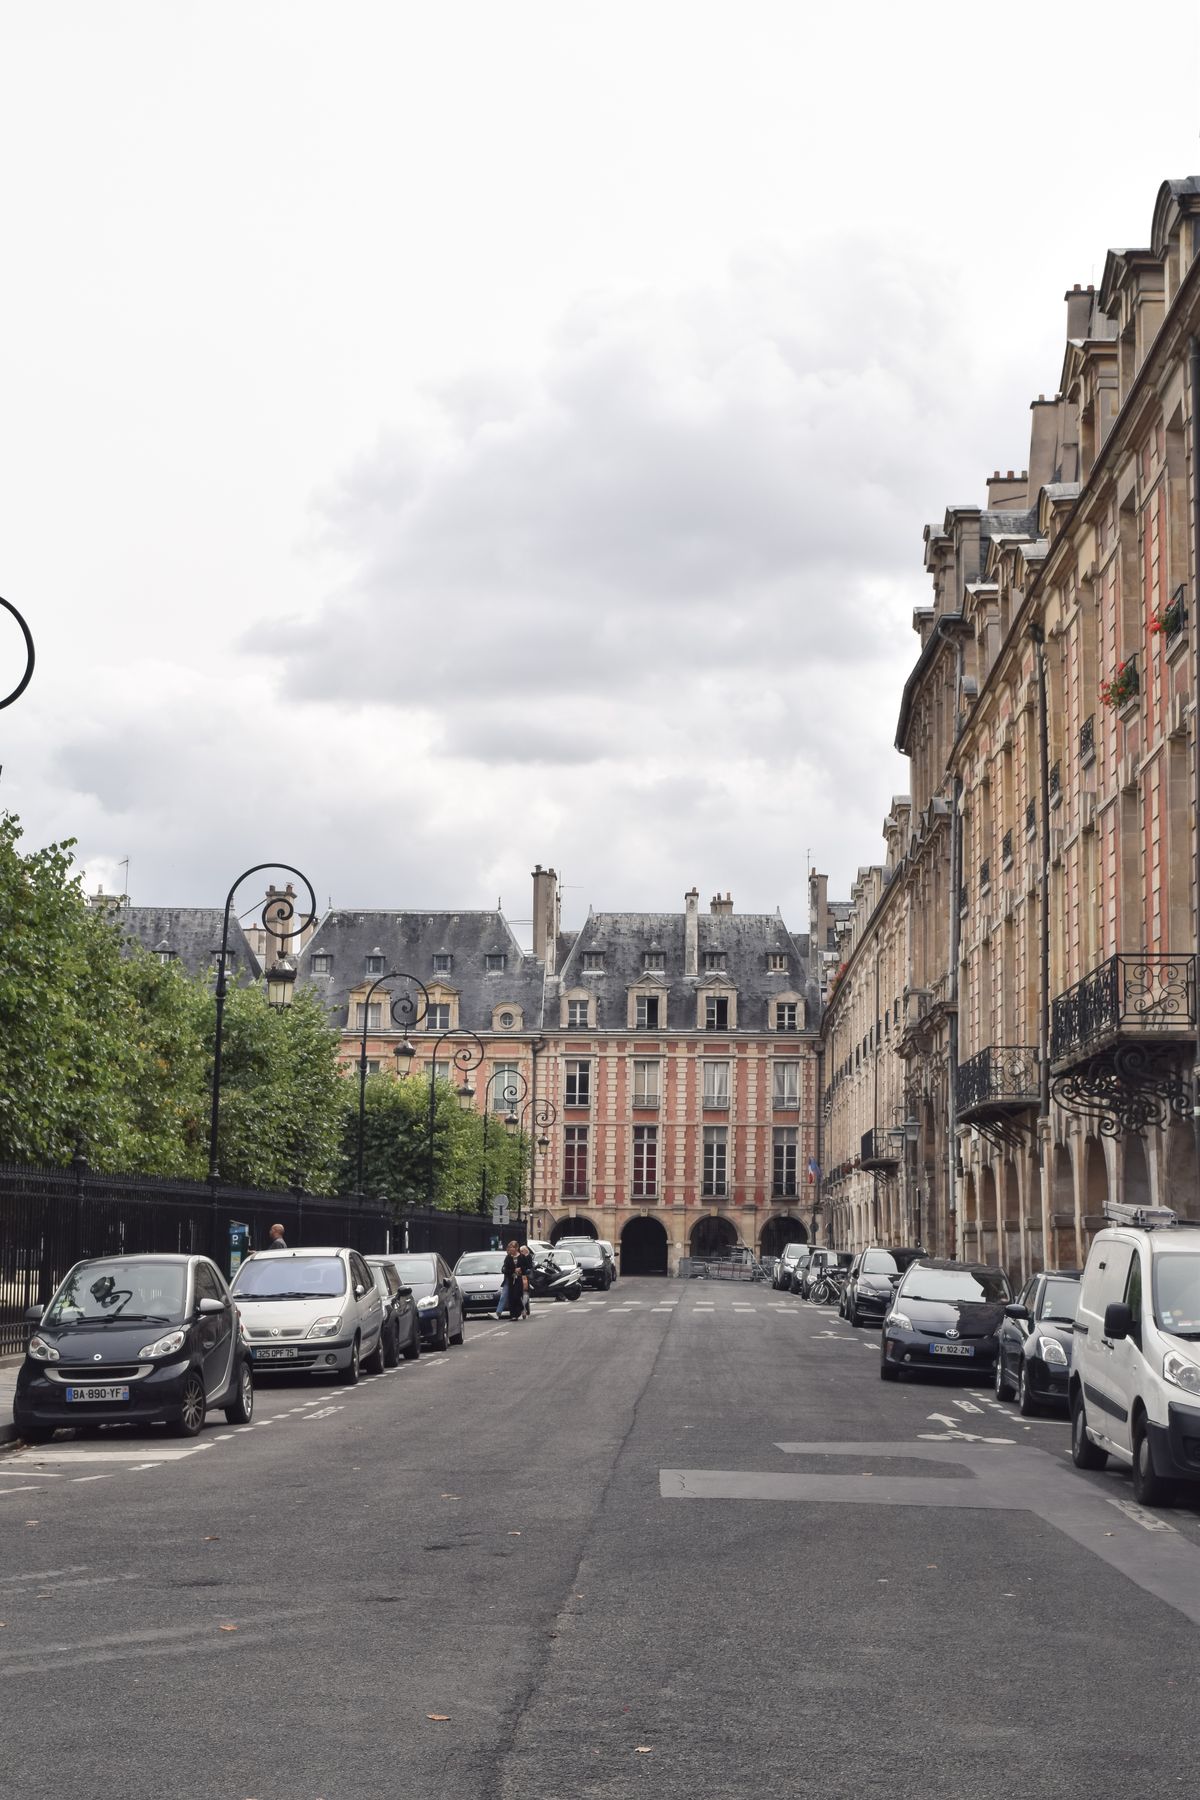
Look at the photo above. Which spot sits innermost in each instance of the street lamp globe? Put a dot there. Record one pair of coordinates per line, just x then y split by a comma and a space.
404, 1054
281, 981
511, 1121
466, 1095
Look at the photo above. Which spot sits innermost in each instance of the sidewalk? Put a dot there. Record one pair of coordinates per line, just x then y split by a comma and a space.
8, 1381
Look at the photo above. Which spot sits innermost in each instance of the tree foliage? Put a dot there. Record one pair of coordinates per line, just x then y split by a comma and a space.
396, 1146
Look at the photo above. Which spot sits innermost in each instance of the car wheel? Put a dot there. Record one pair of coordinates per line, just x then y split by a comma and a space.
35, 1434
376, 1362
852, 1314
887, 1371
413, 1348
574, 1293
1149, 1488
442, 1340
192, 1408
349, 1375
458, 1336
1084, 1454
241, 1411
1026, 1404
391, 1349
1002, 1385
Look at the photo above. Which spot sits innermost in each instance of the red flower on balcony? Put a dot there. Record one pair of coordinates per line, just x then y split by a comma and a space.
1122, 686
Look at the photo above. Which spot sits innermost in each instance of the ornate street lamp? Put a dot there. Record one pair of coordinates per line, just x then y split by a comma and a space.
406, 1012
278, 911
29, 656
510, 1093
468, 1056
543, 1113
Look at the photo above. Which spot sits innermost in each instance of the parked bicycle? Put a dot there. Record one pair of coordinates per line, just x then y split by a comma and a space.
828, 1286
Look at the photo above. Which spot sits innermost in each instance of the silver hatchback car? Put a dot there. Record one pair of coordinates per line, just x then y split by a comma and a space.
318, 1310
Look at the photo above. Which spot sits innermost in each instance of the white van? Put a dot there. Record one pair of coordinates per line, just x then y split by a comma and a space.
1135, 1369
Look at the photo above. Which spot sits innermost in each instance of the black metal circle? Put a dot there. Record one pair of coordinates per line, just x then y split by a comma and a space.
29, 655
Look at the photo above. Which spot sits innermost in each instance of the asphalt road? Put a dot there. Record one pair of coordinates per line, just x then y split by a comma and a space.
597, 1554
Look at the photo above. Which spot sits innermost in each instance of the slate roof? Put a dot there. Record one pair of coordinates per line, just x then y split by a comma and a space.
745, 940
409, 941
192, 934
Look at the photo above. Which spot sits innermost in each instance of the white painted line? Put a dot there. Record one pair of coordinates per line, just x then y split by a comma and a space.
76, 1479
967, 1406
23, 1490
73, 1455
45, 1574
1139, 1515
660, 1309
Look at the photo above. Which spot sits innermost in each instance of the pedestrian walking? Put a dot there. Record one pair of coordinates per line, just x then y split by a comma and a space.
510, 1250
275, 1239
525, 1265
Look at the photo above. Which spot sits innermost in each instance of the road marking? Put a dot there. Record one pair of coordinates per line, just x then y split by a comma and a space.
76, 1479
45, 1574
71, 1455
1139, 1515
23, 1490
967, 1406
660, 1309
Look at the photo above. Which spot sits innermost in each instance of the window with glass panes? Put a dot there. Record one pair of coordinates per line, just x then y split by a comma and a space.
785, 1083
577, 1014
716, 1084
646, 1083
785, 1015
645, 1162
575, 1139
579, 1083
716, 1012
646, 1010
374, 1016
374, 965
437, 1016
716, 1140
505, 1089
783, 1159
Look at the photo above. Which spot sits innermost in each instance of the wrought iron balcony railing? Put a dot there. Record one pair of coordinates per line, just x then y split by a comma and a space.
985, 874
1146, 997
879, 1151
1087, 739
1001, 1079
1006, 850
1031, 813
1054, 781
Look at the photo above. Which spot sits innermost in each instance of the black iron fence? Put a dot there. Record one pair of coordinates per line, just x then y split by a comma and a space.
1002, 1075
1137, 996
50, 1218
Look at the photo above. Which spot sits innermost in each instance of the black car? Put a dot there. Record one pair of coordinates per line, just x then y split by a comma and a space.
152, 1340
945, 1315
593, 1264
871, 1283
440, 1310
401, 1334
1036, 1340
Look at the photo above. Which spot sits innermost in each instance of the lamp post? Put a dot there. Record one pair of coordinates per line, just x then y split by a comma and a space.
281, 976
510, 1093
468, 1056
542, 1113
29, 656
406, 1012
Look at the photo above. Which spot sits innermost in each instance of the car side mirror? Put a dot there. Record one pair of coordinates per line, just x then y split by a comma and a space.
34, 1313
1016, 1311
359, 1291
1118, 1320
208, 1307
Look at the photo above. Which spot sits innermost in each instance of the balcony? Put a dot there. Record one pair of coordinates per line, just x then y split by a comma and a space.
785, 1102
998, 1083
880, 1152
646, 1102
1087, 739
1141, 999
1006, 850
985, 874
715, 1102
1031, 816
1054, 783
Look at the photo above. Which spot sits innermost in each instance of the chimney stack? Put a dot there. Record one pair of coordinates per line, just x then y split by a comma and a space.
1007, 489
1079, 311
721, 905
545, 916
818, 911
691, 932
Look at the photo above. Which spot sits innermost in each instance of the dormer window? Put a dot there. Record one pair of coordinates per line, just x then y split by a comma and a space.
593, 962
778, 962
785, 1016
374, 963
320, 963
716, 1012
166, 956
494, 962
713, 960
442, 962
654, 961
647, 1011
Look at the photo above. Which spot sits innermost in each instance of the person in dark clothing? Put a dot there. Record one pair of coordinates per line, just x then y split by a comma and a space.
512, 1278
276, 1239
525, 1265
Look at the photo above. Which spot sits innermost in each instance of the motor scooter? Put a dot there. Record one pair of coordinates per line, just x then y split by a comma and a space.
554, 1280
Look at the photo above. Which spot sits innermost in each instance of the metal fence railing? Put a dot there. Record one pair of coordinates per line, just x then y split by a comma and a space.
50, 1218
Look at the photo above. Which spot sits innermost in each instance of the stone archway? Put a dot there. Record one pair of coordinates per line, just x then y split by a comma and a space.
1095, 1184
1135, 1185
643, 1247
711, 1236
576, 1226
783, 1229
1063, 1249
1182, 1172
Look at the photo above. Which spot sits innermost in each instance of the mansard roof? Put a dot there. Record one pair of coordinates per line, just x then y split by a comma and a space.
189, 934
409, 941
744, 939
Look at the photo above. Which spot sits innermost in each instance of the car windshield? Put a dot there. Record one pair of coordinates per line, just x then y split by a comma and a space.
415, 1269
1177, 1293
97, 1292
956, 1284
482, 1262
579, 1246
277, 1277
879, 1262
1059, 1301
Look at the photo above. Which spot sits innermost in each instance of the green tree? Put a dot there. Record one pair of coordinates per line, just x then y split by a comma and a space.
396, 1145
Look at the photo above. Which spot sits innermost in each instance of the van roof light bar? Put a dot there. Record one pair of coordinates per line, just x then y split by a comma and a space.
1146, 1218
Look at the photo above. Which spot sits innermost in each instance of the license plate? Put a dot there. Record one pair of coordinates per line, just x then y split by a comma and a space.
952, 1349
274, 1355
482, 1299
97, 1392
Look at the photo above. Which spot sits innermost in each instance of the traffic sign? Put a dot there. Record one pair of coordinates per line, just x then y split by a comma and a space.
499, 1209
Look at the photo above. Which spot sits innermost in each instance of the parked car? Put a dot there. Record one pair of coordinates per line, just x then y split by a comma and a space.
145, 1339
611, 1254
479, 1278
318, 1310
805, 1274
790, 1256
872, 1280
1033, 1356
401, 1327
438, 1296
1134, 1383
945, 1315
593, 1264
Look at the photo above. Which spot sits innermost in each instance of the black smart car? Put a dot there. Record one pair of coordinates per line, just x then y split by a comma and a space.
1036, 1339
945, 1315
135, 1339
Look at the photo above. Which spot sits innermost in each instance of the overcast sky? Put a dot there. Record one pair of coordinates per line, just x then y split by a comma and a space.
439, 438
